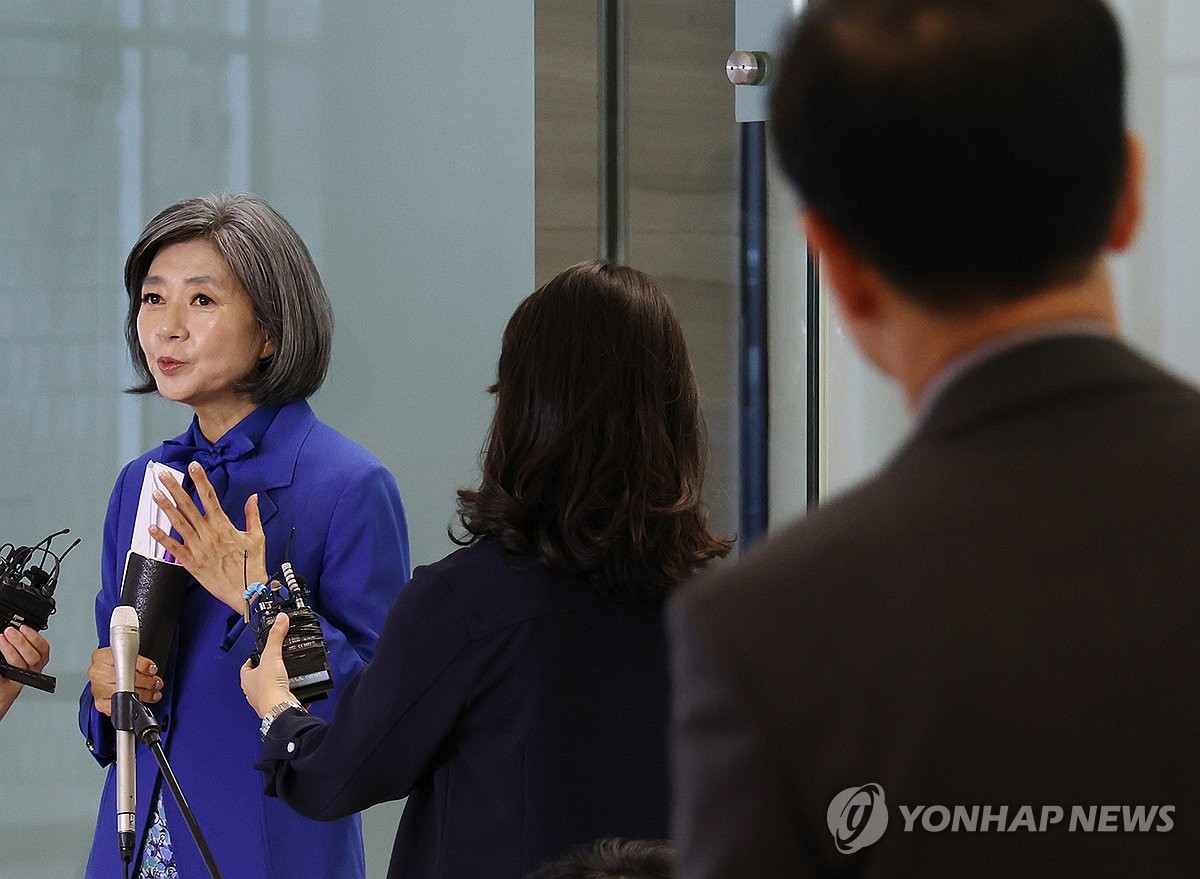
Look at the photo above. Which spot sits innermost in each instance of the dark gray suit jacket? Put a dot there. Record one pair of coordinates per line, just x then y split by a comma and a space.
1007, 615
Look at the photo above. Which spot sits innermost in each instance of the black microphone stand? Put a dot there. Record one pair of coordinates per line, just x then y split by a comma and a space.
131, 715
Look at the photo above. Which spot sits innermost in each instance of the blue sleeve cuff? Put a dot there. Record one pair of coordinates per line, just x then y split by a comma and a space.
97, 729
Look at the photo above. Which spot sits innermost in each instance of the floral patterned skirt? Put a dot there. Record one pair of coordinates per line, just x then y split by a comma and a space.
158, 857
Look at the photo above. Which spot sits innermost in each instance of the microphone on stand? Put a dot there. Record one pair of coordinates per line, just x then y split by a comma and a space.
124, 638
131, 718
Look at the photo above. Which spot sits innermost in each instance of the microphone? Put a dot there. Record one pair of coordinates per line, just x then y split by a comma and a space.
124, 637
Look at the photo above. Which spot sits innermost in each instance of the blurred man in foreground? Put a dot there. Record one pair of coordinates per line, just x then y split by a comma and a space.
982, 660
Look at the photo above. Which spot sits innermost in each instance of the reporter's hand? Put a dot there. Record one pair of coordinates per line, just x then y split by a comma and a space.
24, 648
147, 685
221, 558
267, 685
21, 648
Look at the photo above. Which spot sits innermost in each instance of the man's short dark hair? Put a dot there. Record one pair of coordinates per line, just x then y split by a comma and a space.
276, 271
614, 859
972, 151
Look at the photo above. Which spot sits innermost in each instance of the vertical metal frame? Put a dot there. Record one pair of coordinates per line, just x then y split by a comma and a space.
812, 370
612, 42
754, 415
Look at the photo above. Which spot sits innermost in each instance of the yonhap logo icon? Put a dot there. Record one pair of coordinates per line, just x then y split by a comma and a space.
857, 817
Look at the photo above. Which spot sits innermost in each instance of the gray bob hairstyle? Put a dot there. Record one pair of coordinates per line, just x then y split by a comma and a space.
277, 273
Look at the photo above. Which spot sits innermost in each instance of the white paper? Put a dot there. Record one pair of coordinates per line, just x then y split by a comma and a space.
149, 513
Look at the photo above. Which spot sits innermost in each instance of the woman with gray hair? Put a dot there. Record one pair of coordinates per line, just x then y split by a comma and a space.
228, 315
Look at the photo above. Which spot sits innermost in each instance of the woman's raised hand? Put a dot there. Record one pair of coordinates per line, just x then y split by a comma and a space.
221, 558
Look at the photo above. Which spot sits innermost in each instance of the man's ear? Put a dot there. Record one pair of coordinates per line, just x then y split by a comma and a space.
853, 282
1128, 214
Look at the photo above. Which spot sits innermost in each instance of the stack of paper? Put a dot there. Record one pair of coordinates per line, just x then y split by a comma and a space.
149, 513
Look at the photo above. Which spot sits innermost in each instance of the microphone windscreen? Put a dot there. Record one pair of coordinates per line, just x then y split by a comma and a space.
126, 616
123, 637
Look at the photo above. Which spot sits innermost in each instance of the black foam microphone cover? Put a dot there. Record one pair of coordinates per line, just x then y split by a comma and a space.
155, 588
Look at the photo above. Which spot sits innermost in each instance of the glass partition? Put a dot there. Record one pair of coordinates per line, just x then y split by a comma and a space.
680, 174
396, 137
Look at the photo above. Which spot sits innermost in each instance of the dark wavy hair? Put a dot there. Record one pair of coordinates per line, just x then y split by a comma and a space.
595, 461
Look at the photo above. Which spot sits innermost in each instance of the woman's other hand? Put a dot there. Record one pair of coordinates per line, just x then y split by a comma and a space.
267, 685
221, 558
147, 685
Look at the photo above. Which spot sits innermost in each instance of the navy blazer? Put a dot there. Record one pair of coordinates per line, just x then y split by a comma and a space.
351, 543
519, 710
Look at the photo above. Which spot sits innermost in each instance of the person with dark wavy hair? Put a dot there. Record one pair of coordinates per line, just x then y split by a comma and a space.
596, 461
519, 691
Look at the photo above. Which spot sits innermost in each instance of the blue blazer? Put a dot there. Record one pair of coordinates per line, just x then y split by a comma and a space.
519, 710
351, 543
